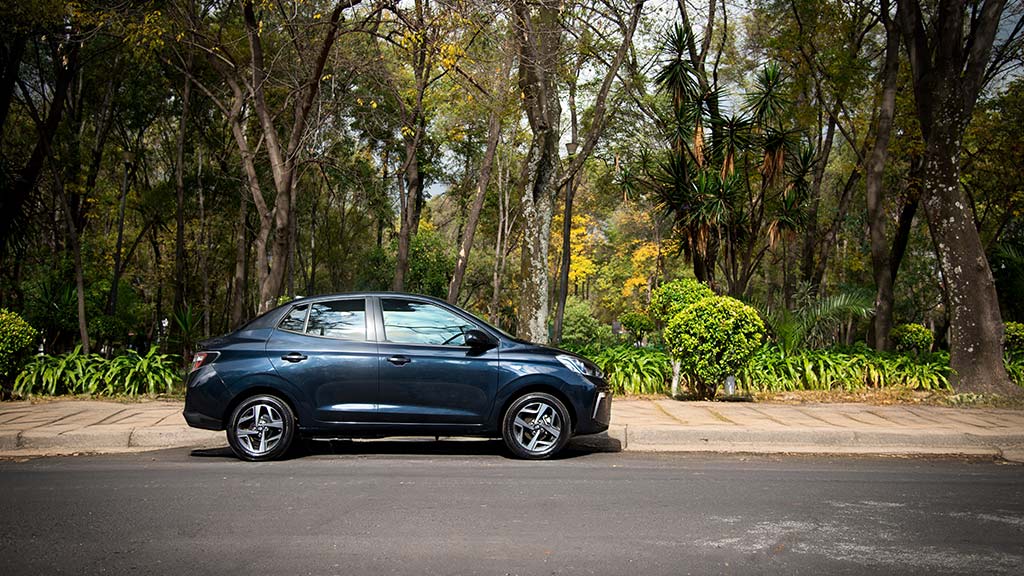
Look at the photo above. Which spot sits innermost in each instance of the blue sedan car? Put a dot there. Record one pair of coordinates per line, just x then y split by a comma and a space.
389, 364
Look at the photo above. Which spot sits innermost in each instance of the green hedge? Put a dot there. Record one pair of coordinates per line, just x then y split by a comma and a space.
912, 338
17, 338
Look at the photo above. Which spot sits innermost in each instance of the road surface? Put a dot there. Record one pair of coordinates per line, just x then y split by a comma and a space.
370, 508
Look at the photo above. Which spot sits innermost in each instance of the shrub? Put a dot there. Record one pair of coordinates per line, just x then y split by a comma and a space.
713, 338
670, 299
17, 338
637, 323
632, 370
912, 338
1014, 334
77, 373
772, 370
579, 326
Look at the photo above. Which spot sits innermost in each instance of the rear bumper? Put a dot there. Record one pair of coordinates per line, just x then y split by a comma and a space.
200, 420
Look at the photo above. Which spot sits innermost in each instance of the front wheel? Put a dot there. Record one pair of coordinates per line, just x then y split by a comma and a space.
536, 426
261, 428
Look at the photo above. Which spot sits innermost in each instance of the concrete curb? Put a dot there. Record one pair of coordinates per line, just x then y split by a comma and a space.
815, 441
112, 440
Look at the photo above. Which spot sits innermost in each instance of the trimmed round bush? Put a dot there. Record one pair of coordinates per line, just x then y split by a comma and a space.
670, 299
637, 323
713, 338
1014, 335
912, 338
17, 338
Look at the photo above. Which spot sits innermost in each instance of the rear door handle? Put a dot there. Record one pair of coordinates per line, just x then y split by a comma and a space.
399, 360
294, 357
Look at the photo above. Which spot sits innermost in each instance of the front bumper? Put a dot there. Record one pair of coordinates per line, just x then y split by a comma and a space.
599, 414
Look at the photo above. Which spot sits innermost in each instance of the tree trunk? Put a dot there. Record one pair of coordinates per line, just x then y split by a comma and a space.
539, 43
949, 64
179, 190
880, 261
486, 165
976, 325
413, 207
240, 282
112, 296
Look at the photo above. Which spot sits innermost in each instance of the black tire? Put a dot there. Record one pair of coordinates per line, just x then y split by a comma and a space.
261, 428
528, 426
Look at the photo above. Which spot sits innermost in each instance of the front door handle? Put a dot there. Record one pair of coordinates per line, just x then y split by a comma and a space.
399, 360
294, 357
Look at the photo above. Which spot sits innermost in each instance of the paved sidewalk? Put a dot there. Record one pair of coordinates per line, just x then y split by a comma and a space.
73, 426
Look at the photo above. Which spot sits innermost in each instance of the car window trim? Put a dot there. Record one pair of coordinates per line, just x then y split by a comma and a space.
305, 318
382, 337
368, 325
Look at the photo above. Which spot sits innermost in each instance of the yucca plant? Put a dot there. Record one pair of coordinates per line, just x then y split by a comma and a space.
70, 373
151, 374
77, 373
633, 370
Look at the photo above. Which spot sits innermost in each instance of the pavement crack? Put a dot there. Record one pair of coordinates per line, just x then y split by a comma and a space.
109, 416
51, 423
719, 416
669, 414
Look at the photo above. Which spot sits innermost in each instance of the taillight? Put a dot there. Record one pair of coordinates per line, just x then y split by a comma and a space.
202, 358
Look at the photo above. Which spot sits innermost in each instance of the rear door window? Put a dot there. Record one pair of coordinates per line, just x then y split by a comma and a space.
340, 319
295, 321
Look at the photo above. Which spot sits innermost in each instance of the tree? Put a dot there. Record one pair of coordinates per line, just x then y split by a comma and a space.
250, 78
950, 47
539, 28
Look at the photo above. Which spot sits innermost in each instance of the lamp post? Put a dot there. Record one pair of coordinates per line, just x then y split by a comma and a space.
563, 280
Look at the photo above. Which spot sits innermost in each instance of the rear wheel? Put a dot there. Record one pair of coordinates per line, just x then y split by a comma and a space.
536, 426
261, 428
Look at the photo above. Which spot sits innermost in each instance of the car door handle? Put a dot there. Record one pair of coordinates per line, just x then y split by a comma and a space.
294, 357
399, 360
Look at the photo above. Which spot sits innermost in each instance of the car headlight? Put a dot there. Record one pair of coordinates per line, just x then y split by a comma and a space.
576, 365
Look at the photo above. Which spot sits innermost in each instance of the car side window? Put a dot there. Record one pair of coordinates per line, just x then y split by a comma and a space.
409, 322
295, 321
341, 319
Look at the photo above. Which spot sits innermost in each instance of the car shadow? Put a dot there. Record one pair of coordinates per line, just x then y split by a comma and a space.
577, 447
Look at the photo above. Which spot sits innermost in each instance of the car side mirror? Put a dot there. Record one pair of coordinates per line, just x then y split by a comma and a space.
478, 340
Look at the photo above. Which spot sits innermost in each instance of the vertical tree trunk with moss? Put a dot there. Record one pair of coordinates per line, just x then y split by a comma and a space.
949, 64
540, 37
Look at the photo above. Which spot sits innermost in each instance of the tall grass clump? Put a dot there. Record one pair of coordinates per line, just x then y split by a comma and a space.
77, 373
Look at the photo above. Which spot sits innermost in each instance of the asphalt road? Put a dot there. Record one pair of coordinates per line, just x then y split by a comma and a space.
463, 508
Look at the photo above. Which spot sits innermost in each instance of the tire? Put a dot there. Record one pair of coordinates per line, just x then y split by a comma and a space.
536, 426
261, 428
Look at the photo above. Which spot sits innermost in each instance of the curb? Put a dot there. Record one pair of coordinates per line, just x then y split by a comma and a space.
112, 440
815, 441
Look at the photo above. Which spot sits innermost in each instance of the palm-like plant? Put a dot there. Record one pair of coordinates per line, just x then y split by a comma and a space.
815, 318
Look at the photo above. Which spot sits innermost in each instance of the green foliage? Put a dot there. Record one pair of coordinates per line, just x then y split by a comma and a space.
637, 323
77, 373
772, 370
813, 320
17, 338
912, 338
632, 370
670, 299
1014, 335
712, 339
579, 326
